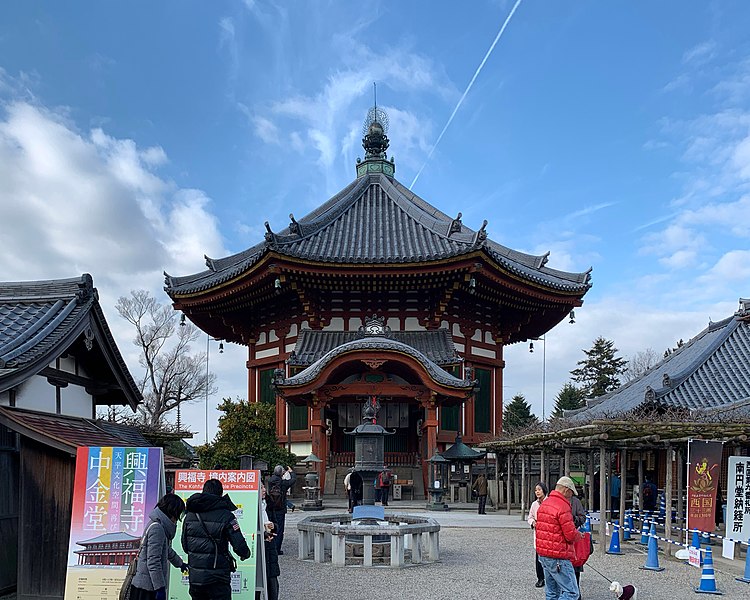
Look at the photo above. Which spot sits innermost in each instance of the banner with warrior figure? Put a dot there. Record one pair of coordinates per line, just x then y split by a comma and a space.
704, 468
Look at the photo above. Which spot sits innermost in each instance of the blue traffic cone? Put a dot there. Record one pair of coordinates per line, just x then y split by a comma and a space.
708, 580
628, 526
652, 559
644, 531
696, 542
746, 578
706, 538
614, 543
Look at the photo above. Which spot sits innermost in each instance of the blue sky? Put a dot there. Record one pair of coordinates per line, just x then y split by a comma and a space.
136, 137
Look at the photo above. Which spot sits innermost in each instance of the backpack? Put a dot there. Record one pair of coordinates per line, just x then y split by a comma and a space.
385, 478
648, 491
275, 497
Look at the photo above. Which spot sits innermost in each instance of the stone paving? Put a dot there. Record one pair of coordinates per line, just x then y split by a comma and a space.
487, 557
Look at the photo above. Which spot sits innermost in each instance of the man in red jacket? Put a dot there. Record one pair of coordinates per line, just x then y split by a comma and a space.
555, 535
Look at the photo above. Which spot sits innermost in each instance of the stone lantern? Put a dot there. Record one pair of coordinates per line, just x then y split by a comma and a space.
438, 478
369, 448
311, 488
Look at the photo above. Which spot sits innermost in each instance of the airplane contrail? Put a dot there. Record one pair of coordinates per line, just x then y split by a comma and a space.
466, 91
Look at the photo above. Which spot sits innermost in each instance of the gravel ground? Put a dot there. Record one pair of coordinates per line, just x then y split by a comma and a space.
480, 563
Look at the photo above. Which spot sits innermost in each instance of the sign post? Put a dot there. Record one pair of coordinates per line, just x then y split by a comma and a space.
115, 489
243, 487
738, 500
704, 464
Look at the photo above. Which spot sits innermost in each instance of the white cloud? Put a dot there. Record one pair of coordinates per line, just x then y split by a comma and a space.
701, 53
266, 130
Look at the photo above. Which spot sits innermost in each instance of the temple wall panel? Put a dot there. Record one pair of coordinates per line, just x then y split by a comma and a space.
412, 324
456, 331
476, 351
267, 353
336, 324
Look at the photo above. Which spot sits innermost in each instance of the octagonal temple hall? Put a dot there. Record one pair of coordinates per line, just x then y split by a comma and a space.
378, 293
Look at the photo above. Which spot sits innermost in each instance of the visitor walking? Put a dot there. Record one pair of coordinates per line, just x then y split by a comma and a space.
649, 493
384, 480
272, 556
353, 486
278, 487
540, 491
555, 536
480, 486
208, 530
614, 492
152, 573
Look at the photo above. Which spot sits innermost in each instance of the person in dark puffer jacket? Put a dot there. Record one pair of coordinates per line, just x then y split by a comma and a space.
555, 535
208, 530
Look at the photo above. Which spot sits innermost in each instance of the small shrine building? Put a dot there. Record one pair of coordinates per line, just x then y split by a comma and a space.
378, 293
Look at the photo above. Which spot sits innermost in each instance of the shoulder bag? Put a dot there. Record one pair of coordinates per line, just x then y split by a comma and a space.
230, 558
132, 568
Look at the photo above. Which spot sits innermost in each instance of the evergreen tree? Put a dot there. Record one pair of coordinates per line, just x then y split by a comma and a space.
517, 414
244, 428
599, 373
569, 398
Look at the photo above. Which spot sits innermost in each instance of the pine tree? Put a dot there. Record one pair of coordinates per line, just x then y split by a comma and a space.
517, 414
599, 373
569, 398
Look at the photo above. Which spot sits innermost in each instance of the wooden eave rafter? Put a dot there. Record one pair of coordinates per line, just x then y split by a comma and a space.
214, 310
281, 263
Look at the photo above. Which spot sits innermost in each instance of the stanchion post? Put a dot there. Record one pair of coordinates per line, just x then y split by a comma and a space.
668, 499
603, 498
508, 487
524, 486
623, 483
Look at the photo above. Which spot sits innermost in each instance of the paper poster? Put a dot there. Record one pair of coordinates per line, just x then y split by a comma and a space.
738, 498
243, 488
694, 557
727, 549
114, 491
704, 463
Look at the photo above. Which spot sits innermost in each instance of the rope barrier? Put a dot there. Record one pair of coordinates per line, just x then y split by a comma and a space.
649, 522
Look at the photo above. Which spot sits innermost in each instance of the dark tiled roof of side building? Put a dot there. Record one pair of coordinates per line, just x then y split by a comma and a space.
376, 220
40, 320
710, 372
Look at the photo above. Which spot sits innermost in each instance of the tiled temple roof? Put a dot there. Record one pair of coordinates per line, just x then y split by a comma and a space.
66, 432
710, 372
437, 373
437, 345
376, 220
40, 320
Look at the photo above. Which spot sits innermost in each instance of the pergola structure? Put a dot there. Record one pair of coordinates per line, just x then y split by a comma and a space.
630, 443
701, 391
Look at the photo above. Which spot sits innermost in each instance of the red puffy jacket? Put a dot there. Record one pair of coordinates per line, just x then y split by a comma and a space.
555, 531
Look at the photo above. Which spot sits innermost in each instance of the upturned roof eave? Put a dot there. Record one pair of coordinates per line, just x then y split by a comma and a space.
376, 344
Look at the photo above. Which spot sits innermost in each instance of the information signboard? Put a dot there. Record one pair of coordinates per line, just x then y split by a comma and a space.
243, 488
738, 498
115, 489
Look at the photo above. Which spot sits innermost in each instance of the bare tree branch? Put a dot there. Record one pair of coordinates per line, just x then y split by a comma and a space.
172, 375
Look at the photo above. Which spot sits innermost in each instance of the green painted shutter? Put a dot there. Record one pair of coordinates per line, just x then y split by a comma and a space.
297, 417
482, 401
267, 394
449, 415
